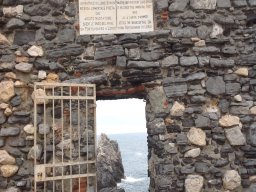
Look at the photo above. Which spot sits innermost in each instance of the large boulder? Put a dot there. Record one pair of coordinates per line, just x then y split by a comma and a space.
110, 169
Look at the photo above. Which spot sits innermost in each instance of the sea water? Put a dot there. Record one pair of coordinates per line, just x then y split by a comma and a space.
134, 151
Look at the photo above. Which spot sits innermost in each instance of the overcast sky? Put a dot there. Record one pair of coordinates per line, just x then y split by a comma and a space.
121, 116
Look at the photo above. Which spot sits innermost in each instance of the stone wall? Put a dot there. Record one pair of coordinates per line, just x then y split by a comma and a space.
196, 72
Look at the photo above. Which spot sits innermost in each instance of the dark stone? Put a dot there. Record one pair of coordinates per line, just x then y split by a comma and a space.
70, 10
164, 169
151, 56
198, 99
252, 135
252, 3
239, 110
24, 37
156, 127
92, 64
7, 67
106, 52
68, 50
11, 131
57, 3
202, 121
113, 189
83, 39
176, 90
2, 117
16, 142
161, 4
187, 169
196, 76
18, 119
121, 61
221, 163
222, 63
240, 3
201, 167
187, 122
9, 2
66, 35
186, 32
224, 105
14, 24
178, 5
2, 143
188, 61
209, 49
37, 10
15, 101
50, 32
215, 85
142, 64
233, 88
181, 139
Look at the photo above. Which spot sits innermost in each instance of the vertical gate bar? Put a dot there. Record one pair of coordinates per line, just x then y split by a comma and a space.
35, 136
87, 138
79, 139
53, 133
44, 138
70, 132
62, 125
95, 133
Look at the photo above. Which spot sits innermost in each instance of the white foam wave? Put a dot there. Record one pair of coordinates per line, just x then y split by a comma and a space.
130, 179
139, 154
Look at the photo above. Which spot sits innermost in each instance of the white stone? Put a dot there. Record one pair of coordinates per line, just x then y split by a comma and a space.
5, 158
3, 40
24, 67
200, 43
12, 189
13, 11
3, 105
193, 153
6, 90
216, 31
42, 75
197, 136
35, 51
194, 183
29, 129
203, 4
231, 180
235, 136
10, 75
9, 170
229, 121
253, 110
242, 72
8, 112
39, 93
177, 109
238, 98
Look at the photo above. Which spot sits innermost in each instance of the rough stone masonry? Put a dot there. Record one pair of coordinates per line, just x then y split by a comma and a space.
196, 71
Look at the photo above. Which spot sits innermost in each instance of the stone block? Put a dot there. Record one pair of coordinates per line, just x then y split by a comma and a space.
203, 4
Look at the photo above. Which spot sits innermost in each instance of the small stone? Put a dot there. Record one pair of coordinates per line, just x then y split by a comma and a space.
4, 40
19, 84
12, 189
197, 136
200, 43
10, 75
44, 129
40, 93
235, 136
6, 90
42, 75
203, 4
24, 67
6, 159
194, 183
52, 78
188, 61
13, 11
193, 153
38, 149
170, 61
231, 180
215, 85
29, 129
9, 170
10, 131
177, 109
242, 72
3, 105
178, 5
253, 110
35, 51
14, 23
229, 121
238, 98
216, 31
7, 112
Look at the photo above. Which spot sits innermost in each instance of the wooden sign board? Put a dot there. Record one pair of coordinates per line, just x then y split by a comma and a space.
115, 16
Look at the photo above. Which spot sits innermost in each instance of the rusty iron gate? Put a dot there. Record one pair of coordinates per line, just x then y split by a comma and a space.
65, 137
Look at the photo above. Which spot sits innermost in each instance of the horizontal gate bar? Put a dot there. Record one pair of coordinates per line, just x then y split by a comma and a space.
69, 177
65, 97
64, 84
67, 164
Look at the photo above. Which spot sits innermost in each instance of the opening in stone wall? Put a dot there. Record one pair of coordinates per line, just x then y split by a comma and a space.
124, 121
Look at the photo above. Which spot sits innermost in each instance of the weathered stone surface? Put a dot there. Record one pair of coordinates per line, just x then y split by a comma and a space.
106, 52
40, 9
177, 109
43, 129
6, 159
39, 93
157, 100
242, 72
178, 5
197, 136
231, 180
13, 11
202, 121
15, 23
23, 37
196, 76
8, 170
24, 67
109, 163
235, 136
155, 127
142, 64
193, 153
68, 50
233, 88
6, 90
229, 121
170, 61
35, 51
215, 85
222, 63
176, 90
121, 61
252, 2
217, 30
4, 40
240, 3
186, 32
203, 4
188, 61
38, 149
13, 189
194, 183
224, 3
11, 131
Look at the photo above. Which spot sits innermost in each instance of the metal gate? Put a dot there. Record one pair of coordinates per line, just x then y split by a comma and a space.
65, 137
